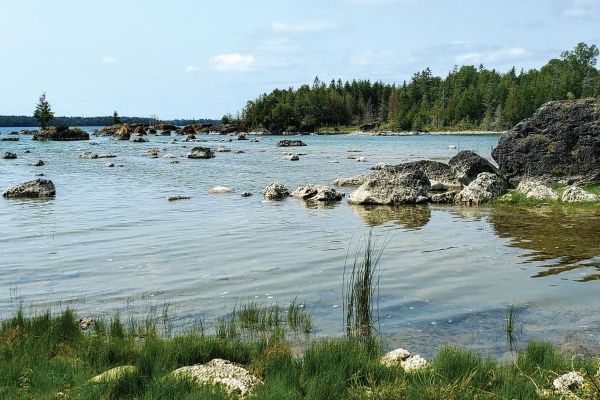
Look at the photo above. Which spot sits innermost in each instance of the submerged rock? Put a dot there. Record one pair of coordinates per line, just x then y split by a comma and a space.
178, 197
560, 141
275, 191
467, 166
485, 187
246, 194
61, 133
292, 157
88, 155
389, 189
220, 190
317, 193
39, 188
534, 189
290, 143
233, 377
9, 139
575, 194
9, 156
38, 163
201, 153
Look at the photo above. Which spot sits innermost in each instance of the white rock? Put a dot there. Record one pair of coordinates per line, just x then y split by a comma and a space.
575, 194
168, 155
220, 189
394, 357
114, 374
536, 190
414, 363
564, 383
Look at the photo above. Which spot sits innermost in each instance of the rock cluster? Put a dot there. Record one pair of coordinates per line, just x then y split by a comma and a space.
403, 358
61, 133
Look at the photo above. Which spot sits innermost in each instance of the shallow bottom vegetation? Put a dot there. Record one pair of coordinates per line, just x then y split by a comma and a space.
49, 357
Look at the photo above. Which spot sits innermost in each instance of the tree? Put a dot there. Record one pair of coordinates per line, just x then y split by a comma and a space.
116, 120
43, 113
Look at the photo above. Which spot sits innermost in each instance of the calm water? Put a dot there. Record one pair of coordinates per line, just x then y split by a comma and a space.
111, 241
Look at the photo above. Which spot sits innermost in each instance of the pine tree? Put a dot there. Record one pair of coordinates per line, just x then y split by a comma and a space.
43, 113
116, 120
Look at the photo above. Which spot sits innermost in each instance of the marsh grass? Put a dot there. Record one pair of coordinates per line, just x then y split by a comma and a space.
513, 329
518, 198
361, 289
47, 356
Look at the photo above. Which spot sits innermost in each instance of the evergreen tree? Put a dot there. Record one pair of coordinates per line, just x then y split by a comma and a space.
116, 120
43, 113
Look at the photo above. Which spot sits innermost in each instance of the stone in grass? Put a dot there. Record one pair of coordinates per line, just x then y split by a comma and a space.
575, 194
394, 357
114, 374
404, 359
233, 377
177, 197
220, 190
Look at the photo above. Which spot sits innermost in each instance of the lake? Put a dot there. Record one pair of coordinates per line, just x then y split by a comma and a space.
110, 241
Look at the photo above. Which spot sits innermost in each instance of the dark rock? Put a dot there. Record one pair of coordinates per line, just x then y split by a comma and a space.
88, 155
139, 139
367, 127
290, 143
61, 133
292, 157
443, 198
166, 127
201, 152
467, 166
38, 163
246, 194
560, 141
38, 188
9, 156
9, 139
242, 136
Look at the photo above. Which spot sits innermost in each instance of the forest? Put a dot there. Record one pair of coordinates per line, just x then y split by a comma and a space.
468, 98
23, 121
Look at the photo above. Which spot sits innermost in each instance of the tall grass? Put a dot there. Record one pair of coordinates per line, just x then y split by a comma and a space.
361, 289
512, 327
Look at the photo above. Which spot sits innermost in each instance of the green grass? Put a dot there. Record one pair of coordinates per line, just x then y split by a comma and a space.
47, 357
517, 198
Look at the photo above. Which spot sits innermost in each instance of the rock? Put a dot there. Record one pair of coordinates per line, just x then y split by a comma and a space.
390, 189
85, 323
168, 155
242, 136
151, 131
201, 152
379, 167
560, 141
485, 187
367, 127
467, 166
451, 147
275, 191
153, 152
414, 363
233, 377
239, 152
114, 374
394, 357
290, 143
39, 188
9, 156
27, 152
353, 180
246, 194
361, 159
88, 155
139, 139
174, 161
317, 193
9, 139
575, 194
112, 165
255, 140
443, 198
534, 189
61, 133
165, 127
106, 155
164, 133
38, 163
40, 174
140, 130
222, 149
565, 384
293, 157
189, 138
187, 130
220, 189
177, 197
122, 132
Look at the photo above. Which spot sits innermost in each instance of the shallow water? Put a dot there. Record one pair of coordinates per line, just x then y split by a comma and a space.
111, 241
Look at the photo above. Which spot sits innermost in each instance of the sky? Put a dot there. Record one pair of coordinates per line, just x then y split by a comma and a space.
203, 59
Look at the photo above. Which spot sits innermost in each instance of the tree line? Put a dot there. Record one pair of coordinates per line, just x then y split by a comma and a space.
23, 121
468, 97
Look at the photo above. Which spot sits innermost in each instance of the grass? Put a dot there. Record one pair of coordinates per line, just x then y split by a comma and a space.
47, 357
512, 327
518, 198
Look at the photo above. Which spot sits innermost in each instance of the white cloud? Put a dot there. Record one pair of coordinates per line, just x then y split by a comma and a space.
491, 57
583, 9
233, 62
310, 25
108, 60
191, 68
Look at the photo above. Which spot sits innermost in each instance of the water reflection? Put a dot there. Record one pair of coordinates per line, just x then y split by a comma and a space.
565, 238
408, 217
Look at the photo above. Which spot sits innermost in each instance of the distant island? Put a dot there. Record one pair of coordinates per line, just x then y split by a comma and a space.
23, 121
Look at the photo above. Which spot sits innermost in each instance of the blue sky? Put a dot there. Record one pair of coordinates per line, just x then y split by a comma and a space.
184, 59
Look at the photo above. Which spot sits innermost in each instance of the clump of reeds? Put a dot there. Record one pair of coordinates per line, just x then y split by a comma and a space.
512, 327
362, 289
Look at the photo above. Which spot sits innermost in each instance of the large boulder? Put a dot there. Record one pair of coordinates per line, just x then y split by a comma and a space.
9, 156
317, 193
39, 188
561, 141
233, 377
390, 189
275, 191
201, 152
536, 190
483, 189
467, 165
575, 194
440, 175
290, 143
61, 133
122, 133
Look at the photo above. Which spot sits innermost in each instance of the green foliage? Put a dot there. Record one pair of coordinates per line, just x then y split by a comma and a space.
116, 119
43, 113
468, 98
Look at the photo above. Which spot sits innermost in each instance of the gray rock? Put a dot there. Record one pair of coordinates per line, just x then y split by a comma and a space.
9, 156
38, 163
88, 155
292, 157
178, 197
534, 189
290, 143
575, 194
222, 149
444, 197
275, 191
317, 193
485, 187
389, 189
201, 153
139, 139
246, 194
39, 188
353, 180
467, 166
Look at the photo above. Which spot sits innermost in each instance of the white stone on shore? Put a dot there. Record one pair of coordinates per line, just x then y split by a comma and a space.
394, 357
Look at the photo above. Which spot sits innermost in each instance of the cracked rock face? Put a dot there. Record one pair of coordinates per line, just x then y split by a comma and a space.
390, 189
467, 165
575, 194
233, 377
533, 189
